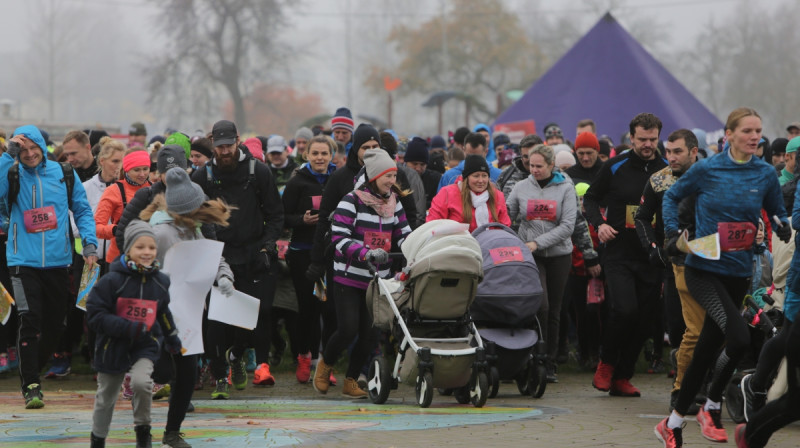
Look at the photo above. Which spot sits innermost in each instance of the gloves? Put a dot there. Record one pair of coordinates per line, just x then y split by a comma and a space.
269, 253
137, 330
672, 245
377, 256
225, 286
172, 343
315, 272
89, 250
784, 232
13, 148
657, 257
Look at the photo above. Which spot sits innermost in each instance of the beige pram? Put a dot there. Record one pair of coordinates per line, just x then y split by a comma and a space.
435, 341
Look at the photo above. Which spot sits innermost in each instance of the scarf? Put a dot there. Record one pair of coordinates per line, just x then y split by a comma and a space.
131, 182
383, 207
481, 210
136, 267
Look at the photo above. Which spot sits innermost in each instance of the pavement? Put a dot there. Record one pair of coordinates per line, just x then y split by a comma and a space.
570, 414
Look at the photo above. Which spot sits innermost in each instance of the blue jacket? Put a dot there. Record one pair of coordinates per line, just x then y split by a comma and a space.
117, 346
43, 186
791, 305
726, 192
450, 176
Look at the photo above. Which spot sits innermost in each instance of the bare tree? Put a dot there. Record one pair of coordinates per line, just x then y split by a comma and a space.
213, 46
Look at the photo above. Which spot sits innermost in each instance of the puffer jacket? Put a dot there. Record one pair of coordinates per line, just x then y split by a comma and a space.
552, 235
447, 205
117, 345
109, 210
94, 191
43, 186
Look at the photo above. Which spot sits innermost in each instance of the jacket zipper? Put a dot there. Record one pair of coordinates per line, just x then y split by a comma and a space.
41, 202
15, 238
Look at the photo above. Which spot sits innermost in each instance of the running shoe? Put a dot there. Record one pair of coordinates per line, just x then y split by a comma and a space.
238, 374
602, 377
4, 363
60, 367
174, 439
160, 391
221, 390
672, 438
624, 388
262, 377
127, 390
332, 379
362, 381
303, 372
711, 425
739, 435
277, 356
250, 359
33, 397
753, 401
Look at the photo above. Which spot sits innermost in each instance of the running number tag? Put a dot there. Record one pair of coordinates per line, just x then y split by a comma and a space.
736, 236
40, 219
137, 310
541, 210
378, 240
315, 201
502, 255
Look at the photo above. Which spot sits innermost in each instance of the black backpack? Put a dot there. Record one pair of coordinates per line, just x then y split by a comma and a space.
13, 183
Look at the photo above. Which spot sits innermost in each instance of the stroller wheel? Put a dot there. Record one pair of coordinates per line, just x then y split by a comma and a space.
734, 402
424, 390
379, 382
462, 394
537, 379
494, 382
480, 390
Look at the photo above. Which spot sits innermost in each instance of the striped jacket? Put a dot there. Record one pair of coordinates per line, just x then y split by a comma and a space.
352, 221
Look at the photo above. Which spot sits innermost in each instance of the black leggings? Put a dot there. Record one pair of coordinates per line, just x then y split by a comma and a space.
721, 296
353, 320
585, 316
553, 273
786, 409
183, 369
309, 329
770, 358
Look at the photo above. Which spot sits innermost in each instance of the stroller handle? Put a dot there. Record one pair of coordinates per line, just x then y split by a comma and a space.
373, 270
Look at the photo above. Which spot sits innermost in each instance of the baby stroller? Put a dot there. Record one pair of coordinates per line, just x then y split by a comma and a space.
505, 311
436, 343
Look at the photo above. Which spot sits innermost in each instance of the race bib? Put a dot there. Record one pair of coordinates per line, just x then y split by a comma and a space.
736, 236
40, 219
502, 255
283, 246
630, 217
378, 240
137, 310
315, 201
541, 210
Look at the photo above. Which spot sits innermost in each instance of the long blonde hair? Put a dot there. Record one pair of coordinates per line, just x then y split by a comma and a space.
466, 201
213, 211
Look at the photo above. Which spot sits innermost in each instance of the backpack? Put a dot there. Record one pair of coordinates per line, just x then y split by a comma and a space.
13, 182
251, 176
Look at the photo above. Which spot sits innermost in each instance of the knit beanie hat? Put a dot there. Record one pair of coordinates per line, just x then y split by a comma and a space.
135, 159
304, 132
179, 138
170, 156
501, 138
378, 163
417, 151
473, 164
343, 119
135, 230
437, 141
564, 158
182, 195
793, 145
363, 134
779, 145
203, 146
587, 140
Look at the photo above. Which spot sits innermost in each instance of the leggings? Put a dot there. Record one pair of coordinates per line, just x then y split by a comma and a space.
721, 296
770, 358
553, 273
182, 388
309, 329
786, 409
354, 320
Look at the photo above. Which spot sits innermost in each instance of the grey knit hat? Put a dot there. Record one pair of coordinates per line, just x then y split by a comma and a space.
134, 230
183, 196
378, 163
304, 132
169, 157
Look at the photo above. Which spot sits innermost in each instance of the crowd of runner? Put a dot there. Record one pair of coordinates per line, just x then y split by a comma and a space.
302, 219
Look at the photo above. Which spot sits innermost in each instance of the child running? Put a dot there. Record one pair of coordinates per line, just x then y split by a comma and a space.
128, 309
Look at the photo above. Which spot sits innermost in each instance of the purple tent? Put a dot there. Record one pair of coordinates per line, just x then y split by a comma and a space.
608, 77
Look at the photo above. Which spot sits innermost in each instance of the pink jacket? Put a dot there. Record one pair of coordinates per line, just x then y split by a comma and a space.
447, 205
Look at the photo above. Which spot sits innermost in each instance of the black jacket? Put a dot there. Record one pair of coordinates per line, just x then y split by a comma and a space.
257, 221
117, 345
430, 179
619, 185
296, 200
580, 174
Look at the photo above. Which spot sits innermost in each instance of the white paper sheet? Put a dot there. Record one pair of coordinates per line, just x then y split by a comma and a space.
192, 267
239, 309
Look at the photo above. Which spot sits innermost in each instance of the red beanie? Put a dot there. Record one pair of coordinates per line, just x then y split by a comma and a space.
134, 159
587, 140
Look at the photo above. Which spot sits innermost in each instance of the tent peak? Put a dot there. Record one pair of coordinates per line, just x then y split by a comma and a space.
608, 17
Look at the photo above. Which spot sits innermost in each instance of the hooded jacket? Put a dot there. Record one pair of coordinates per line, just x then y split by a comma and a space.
552, 235
117, 345
447, 205
109, 211
297, 198
43, 186
515, 173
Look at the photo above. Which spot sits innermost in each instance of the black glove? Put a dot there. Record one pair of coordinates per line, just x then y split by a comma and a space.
13, 149
172, 343
672, 245
315, 272
137, 330
377, 256
784, 232
657, 257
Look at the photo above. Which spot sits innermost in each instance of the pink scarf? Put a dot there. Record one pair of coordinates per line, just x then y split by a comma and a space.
383, 207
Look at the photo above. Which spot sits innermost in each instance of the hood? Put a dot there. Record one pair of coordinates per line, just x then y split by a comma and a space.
490, 156
352, 160
32, 132
558, 177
